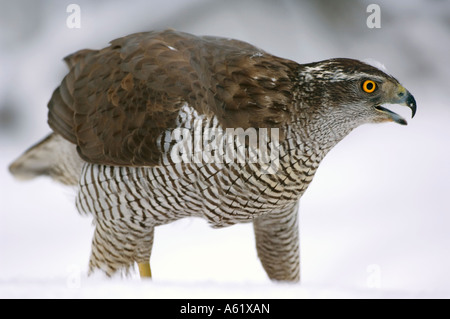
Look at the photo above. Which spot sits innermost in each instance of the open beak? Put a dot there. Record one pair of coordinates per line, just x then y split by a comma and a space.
403, 97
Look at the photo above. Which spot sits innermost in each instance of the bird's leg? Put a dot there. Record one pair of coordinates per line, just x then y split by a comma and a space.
144, 270
111, 257
277, 243
144, 253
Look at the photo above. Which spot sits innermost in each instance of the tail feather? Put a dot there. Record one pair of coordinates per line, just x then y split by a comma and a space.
54, 157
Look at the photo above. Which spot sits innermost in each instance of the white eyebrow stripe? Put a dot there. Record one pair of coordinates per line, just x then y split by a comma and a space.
338, 76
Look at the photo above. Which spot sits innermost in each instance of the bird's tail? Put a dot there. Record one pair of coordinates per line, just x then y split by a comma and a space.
54, 157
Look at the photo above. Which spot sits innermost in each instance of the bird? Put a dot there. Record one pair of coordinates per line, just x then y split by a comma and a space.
164, 125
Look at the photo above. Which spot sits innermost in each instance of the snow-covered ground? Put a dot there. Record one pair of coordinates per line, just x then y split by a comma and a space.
374, 223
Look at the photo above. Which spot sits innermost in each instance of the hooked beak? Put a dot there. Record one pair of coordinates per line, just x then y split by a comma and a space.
402, 97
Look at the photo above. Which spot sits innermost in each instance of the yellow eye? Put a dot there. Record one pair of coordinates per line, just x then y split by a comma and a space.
369, 86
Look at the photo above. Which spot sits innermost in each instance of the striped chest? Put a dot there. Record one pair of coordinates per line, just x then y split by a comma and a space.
205, 171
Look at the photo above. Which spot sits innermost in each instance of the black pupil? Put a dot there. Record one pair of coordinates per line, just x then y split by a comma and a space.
369, 86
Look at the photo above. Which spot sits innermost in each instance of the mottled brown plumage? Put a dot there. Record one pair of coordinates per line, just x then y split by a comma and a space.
116, 101
128, 121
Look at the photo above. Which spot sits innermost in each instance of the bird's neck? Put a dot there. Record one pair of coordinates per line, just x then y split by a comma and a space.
301, 151
318, 133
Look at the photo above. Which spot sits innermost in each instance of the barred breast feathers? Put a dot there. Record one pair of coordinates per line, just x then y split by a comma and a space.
196, 177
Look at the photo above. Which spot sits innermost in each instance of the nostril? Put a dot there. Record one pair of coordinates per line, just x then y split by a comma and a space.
401, 94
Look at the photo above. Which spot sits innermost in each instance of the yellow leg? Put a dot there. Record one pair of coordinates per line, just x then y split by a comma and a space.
144, 270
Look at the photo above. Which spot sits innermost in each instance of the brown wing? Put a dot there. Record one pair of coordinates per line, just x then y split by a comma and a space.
115, 102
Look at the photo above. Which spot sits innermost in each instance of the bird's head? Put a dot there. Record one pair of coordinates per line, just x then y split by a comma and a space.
354, 92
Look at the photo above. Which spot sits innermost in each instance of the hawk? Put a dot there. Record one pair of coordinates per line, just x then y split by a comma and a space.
141, 128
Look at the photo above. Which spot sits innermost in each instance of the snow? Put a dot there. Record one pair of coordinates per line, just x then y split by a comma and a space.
374, 223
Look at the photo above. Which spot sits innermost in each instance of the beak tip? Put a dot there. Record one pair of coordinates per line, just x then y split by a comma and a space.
411, 102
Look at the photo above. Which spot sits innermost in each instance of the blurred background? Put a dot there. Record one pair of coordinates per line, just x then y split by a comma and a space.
375, 222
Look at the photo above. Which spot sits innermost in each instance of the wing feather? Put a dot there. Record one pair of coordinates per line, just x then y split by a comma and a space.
115, 102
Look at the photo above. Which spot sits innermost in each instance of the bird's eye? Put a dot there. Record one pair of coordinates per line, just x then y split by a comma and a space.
369, 86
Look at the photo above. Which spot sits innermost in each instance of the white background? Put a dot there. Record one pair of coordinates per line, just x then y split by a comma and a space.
374, 223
